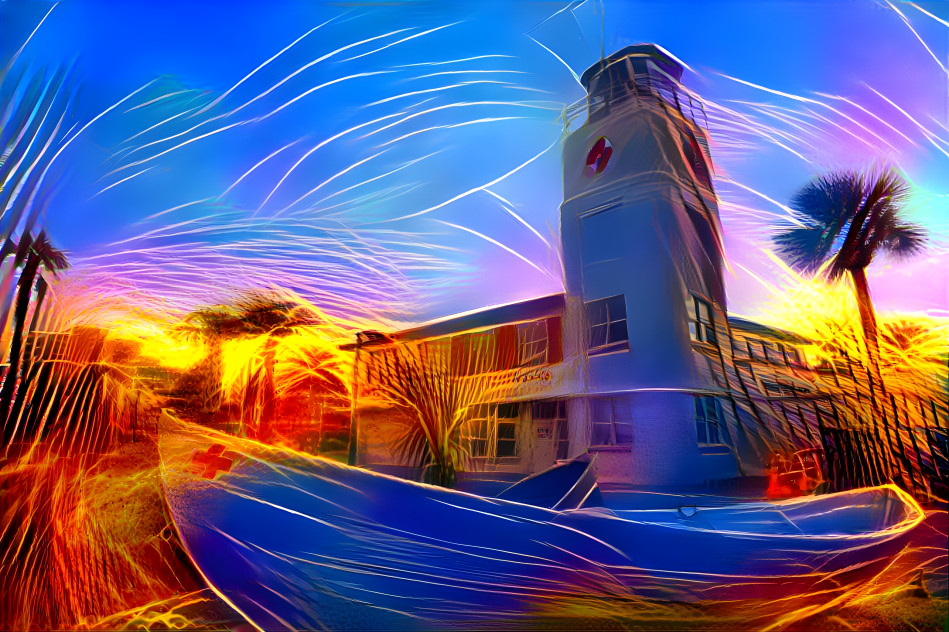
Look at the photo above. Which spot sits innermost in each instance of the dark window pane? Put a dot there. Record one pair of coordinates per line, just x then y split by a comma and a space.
596, 312
598, 336
507, 411
618, 332
506, 432
624, 433
714, 410
617, 305
507, 448
602, 410
703, 311
602, 434
562, 430
544, 410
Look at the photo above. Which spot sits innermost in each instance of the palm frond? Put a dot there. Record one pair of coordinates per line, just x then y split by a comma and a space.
805, 249
50, 258
904, 240
825, 206
830, 200
847, 218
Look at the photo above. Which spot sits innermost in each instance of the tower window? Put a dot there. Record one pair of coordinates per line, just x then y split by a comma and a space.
708, 420
611, 422
607, 321
701, 327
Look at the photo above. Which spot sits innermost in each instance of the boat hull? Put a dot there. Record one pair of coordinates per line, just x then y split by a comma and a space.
295, 542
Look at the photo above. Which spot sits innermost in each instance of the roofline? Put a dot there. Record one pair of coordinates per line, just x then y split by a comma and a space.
502, 314
647, 50
752, 326
478, 319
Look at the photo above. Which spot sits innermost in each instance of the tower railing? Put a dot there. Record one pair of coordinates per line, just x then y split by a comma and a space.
655, 85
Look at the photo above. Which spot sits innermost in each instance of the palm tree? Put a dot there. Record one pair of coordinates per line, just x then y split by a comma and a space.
255, 314
210, 325
847, 218
437, 395
271, 315
34, 254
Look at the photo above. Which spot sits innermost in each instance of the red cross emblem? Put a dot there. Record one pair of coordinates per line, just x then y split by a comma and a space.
211, 461
598, 157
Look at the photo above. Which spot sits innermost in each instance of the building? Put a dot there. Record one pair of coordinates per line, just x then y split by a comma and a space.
637, 361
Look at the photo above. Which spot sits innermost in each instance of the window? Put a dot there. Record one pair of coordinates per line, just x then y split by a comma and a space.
607, 320
556, 411
711, 371
774, 352
773, 389
478, 427
693, 153
744, 370
532, 343
700, 321
507, 430
611, 422
781, 388
481, 349
708, 420
792, 355
492, 430
740, 349
756, 350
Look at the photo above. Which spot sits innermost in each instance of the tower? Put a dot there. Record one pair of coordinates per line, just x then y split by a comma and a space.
643, 263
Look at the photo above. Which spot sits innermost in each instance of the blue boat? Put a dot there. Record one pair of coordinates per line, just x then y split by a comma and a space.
294, 542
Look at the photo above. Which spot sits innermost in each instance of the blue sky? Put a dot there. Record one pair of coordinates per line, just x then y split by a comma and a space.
408, 154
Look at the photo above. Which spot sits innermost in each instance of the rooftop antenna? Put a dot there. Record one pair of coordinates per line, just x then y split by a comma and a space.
602, 20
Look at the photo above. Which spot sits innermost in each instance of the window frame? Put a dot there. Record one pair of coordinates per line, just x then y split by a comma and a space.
704, 424
532, 349
483, 432
700, 330
774, 352
609, 345
481, 351
560, 422
613, 439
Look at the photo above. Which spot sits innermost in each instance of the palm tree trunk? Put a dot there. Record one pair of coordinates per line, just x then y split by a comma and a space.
212, 389
867, 315
268, 392
27, 277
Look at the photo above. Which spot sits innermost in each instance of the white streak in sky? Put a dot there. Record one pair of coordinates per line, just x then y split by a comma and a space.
498, 244
476, 189
249, 171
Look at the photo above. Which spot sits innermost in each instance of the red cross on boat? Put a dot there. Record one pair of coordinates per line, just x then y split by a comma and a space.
213, 460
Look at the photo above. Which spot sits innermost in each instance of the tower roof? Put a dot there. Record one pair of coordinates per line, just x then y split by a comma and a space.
637, 54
